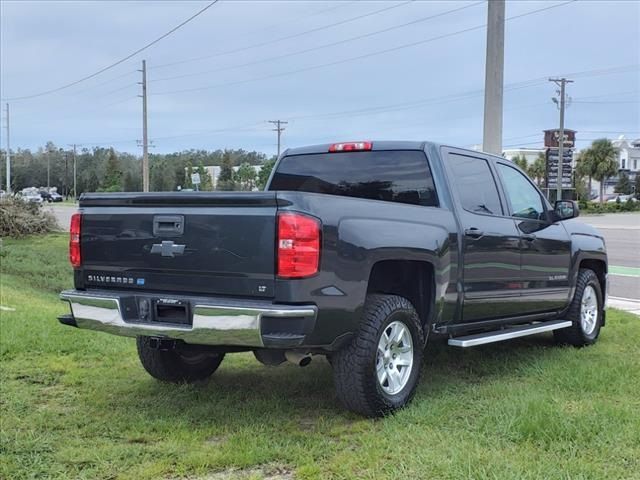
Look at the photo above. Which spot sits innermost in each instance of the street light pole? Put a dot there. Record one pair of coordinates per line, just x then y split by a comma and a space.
561, 82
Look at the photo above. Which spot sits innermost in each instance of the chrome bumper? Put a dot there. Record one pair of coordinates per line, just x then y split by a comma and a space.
224, 322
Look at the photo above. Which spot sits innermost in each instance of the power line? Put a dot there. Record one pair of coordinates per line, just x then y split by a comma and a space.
452, 97
359, 57
320, 47
102, 70
280, 39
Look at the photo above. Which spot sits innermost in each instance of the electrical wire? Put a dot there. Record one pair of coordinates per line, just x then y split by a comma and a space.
320, 47
359, 57
280, 39
102, 70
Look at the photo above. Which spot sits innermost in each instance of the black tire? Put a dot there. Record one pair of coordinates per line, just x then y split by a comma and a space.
178, 364
575, 334
354, 366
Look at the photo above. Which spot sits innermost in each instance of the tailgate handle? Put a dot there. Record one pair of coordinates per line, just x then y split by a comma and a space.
168, 225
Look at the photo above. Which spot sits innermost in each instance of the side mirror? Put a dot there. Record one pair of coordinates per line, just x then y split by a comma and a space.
566, 209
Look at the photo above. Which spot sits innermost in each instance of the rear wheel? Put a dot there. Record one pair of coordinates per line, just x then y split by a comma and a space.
179, 364
585, 312
379, 371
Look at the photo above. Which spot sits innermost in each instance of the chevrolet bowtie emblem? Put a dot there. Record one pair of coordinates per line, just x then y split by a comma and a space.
167, 249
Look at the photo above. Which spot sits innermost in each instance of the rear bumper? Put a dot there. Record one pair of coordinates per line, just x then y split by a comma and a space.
217, 322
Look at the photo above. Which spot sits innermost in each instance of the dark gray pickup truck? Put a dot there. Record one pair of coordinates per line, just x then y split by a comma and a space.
357, 251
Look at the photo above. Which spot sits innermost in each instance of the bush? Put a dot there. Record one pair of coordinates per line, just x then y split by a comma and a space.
613, 207
19, 219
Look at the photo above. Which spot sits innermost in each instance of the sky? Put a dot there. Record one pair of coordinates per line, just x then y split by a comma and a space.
335, 70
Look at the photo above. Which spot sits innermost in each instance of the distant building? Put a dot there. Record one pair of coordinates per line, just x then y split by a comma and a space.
628, 158
628, 154
530, 154
214, 172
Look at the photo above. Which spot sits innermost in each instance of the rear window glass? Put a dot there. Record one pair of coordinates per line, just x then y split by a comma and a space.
476, 187
392, 176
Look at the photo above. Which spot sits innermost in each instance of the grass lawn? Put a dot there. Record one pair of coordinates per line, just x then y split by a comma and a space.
77, 404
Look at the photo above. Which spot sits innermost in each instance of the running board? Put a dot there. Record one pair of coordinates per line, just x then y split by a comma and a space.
508, 333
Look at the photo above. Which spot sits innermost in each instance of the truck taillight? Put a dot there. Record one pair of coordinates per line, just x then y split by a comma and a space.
74, 240
350, 147
298, 245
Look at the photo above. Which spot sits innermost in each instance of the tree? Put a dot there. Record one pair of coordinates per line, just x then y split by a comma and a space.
603, 154
538, 170
162, 178
520, 161
206, 183
637, 185
624, 185
246, 176
586, 167
225, 180
265, 173
187, 176
113, 175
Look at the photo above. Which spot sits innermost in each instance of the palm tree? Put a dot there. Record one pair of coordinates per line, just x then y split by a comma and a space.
520, 161
586, 167
538, 169
603, 155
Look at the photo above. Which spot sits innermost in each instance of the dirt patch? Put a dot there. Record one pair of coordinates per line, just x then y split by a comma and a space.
269, 472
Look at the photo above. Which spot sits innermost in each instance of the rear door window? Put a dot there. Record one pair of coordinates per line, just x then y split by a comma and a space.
475, 184
392, 176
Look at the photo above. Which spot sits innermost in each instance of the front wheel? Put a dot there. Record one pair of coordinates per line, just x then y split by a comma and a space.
586, 312
179, 364
378, 372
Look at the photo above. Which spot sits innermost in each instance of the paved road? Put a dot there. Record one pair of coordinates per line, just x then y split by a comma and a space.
63, 214
622, 235
621, 232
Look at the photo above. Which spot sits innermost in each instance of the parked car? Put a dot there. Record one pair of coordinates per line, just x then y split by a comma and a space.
622, 199
55, 197
357, 251
31, 197
46, 196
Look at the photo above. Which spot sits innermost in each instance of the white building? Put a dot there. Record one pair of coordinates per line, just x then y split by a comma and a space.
628, 154
530, 154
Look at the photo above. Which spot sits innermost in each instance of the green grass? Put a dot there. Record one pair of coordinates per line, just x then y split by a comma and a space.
76, 404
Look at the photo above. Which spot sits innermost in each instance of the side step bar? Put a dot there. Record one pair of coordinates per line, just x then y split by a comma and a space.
508, 333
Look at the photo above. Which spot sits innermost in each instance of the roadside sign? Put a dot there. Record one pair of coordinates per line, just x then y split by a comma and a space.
195, 178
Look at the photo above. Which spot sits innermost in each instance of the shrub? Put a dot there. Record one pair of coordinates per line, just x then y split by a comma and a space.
19, 218
613, 207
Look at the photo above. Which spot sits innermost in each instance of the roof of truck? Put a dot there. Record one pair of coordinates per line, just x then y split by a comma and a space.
377, 145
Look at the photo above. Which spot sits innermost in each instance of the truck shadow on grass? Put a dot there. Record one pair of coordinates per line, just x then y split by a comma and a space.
243, 390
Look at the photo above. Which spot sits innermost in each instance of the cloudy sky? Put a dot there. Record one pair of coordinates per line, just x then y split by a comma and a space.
340, 70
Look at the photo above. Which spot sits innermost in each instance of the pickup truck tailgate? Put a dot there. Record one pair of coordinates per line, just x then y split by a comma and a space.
209, 243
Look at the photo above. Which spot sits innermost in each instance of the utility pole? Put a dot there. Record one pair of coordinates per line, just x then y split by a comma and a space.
494, 78
561, 82
8, 154
75, 173
145, 143
48, 169
279, 128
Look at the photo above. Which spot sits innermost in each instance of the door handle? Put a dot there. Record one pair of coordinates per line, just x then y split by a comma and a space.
529, 237
473, 232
